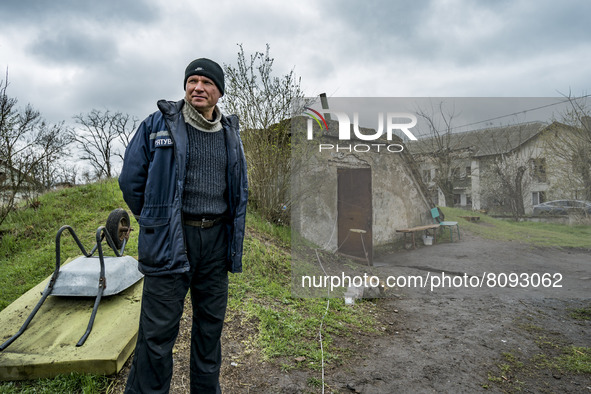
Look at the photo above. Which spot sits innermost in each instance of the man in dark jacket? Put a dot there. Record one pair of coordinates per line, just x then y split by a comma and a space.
184, 179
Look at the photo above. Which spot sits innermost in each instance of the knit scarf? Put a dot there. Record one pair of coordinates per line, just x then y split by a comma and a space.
195, 119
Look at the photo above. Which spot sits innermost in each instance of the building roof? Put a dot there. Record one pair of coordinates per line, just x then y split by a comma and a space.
482, 142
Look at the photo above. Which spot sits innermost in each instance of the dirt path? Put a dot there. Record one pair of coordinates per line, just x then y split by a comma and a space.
463, 339
451, 340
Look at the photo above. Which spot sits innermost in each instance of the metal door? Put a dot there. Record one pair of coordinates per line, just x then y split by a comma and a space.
354, 209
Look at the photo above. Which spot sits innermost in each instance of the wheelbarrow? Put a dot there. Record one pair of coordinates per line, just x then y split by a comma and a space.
86, 276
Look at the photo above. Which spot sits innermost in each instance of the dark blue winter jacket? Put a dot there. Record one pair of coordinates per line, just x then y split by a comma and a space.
152, 181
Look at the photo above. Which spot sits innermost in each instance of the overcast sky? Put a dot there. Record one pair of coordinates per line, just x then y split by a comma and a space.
66, 57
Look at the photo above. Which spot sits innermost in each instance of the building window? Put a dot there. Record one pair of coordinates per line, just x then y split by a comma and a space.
457, 199
469, 200
538, 198
468, 172
539, 169
427, 176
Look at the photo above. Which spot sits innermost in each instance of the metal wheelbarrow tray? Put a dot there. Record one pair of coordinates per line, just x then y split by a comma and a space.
88, 275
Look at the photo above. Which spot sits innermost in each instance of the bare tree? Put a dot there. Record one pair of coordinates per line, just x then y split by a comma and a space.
102, 137
441, 148
504, 182
264, 103
27, 145
504, 162
511, 160
568, 150
504, 185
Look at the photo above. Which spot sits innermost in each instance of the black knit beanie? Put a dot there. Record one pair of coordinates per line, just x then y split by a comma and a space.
207, 68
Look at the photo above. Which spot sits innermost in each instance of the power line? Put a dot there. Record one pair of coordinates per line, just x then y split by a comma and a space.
520, 112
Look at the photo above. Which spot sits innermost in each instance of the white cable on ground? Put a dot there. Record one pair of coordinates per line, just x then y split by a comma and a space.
322, 321
334, 227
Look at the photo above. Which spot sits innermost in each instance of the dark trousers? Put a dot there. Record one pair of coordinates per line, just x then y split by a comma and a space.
162, 307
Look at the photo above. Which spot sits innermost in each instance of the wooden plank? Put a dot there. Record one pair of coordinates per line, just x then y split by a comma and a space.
471, 218
48, 346
418, 228
413, 230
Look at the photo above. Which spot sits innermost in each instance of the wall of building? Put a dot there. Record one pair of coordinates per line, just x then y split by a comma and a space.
398, 198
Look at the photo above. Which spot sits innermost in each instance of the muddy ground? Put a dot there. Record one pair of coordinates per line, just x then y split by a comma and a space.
449, 339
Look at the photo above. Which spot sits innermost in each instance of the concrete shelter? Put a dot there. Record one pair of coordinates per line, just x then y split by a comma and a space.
350, 196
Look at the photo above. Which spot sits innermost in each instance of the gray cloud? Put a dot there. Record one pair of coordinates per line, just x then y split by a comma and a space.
124, 55
72, 32
73, 47
461, 31
56, 12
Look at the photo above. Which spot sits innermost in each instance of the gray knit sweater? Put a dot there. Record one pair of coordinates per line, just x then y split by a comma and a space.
205, 186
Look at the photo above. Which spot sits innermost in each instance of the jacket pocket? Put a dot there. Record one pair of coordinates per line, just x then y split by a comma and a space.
154, 245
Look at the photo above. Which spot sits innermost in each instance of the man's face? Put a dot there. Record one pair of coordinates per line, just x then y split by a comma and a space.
203, 94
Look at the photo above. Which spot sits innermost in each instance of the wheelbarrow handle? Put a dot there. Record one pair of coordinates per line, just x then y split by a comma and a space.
51, 283
32, 314
101, 232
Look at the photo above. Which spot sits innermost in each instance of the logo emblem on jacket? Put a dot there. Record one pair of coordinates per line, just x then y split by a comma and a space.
161, 139
161, 142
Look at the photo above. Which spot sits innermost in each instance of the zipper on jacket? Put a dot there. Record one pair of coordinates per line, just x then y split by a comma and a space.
178, 186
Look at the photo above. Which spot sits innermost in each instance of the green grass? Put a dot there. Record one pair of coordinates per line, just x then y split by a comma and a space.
575, 359
280, 234
509, 366
581, 313
27, 256
27, 244
285, 327
555, 357
534, 233
572, 359
74, 383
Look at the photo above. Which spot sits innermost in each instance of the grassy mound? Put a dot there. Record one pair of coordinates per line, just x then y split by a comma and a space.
287, 328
